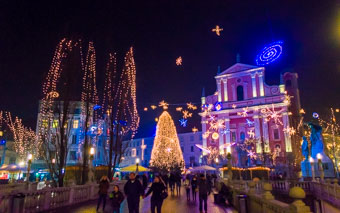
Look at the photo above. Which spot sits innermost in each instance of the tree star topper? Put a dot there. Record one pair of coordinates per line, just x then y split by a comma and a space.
217, 30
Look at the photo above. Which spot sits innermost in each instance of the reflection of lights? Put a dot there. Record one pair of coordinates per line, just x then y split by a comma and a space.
215, 136
315, 115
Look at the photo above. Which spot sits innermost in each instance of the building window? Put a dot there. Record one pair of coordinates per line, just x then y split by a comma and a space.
74, 139
233, 136
75, 124
55, 124
276, 134
240, 94
133, 152
242, 136
73, 155
192, 148
192, 138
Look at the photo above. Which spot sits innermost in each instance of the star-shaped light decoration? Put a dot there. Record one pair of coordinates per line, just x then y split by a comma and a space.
183, 122
179, 61
191, 106
178, 109
186, 114
234, 106
269, 114
194, 130
249, 122
251, 133
163, 104
244, 113
252, 154
290, 130
217, 30
153, 107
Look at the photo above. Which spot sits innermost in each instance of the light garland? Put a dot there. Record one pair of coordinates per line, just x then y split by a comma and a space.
179, 61
269, 114
217, 30
269, 53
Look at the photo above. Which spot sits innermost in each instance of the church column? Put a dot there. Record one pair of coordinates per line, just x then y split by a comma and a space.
257, 133
253, 83
265, 135
219, 90
234, 92
204, 129
288, 140
225, 88
221, 136
227, 127
261, 84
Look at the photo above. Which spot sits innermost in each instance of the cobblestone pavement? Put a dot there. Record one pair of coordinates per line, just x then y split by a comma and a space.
172, 204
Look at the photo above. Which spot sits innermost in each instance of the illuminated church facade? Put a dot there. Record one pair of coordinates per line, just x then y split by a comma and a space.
247, 117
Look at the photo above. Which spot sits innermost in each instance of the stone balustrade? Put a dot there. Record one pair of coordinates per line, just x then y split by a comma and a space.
52, 198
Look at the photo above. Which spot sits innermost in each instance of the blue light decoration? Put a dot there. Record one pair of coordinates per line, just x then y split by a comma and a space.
218, 106
183, 122
249, 122
269, 53
96, 107
3, 142
315, 115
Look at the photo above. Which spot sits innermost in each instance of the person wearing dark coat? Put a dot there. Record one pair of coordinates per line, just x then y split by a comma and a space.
103, 188
117, 198
156, 188
193, 188
203, 192
145, 181
133, 189
172, 181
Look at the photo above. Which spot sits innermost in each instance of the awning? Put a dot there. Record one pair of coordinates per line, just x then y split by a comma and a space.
133, 168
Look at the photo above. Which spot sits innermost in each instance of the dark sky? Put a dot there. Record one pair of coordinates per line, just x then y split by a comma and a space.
160, 31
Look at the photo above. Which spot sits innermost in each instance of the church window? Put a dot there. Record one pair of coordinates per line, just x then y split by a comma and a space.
240, 94
288, 83
233, 136
276, 134
242, 136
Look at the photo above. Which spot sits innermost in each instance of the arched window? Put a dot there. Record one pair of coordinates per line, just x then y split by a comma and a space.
242, 136
240, 94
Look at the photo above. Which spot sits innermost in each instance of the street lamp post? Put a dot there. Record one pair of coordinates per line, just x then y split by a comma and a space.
90, 173
29, 158
311, 160
137, 163
322, 173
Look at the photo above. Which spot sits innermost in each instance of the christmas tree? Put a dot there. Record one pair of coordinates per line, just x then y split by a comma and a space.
166, 151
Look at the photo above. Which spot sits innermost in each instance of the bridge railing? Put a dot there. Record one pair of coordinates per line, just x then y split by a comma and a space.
52, 198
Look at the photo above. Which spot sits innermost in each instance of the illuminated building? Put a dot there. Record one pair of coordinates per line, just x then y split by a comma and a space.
245, 109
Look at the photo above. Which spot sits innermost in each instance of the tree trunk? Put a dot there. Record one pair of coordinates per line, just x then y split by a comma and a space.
85, 148
109, 172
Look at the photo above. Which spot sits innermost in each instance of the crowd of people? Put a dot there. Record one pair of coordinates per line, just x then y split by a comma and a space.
138, 187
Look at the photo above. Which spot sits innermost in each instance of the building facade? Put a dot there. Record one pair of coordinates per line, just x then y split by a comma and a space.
247, 117
141, 149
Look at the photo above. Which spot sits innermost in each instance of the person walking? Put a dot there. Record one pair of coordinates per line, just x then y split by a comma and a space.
187, 186
194, 187
117, 198
172, 181
178, 181
157, 188
133, 189
103, 188
203, 192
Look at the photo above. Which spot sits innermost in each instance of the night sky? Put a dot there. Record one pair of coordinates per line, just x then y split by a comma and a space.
161, 31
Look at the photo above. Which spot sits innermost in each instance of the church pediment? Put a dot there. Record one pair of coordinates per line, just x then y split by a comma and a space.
238, 67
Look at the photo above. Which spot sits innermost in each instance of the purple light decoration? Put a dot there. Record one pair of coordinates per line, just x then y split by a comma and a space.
269, 53
218, 106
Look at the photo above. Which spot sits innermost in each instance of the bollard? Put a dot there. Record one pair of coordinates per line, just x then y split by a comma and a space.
18, 203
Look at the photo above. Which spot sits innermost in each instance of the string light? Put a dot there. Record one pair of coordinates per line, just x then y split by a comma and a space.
183, 122
163, 104
166, 151
269, 114
194, 130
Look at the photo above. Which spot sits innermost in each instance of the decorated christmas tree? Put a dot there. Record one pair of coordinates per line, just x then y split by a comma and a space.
166, 152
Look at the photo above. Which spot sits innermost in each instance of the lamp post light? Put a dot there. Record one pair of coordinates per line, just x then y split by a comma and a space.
137, 163
230, 172
21, 165
320, 167
311, 160
90, 173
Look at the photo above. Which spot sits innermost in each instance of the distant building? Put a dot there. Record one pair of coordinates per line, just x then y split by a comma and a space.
141, 148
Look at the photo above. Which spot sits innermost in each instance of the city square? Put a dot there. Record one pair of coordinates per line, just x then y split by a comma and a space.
170, 107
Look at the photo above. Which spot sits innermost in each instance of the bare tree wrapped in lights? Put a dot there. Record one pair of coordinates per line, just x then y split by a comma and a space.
56, 107
166, 152
119, 103
24, 138
89, 99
